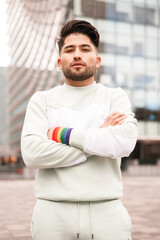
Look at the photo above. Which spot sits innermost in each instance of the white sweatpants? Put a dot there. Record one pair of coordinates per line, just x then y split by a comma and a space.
104, 220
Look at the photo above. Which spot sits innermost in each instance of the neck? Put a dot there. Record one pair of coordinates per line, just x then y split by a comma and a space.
83, 83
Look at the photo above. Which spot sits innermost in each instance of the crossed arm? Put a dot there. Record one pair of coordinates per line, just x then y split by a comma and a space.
112, 120
115, 138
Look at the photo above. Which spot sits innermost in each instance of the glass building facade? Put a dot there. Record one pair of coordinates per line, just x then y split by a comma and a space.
33, 29
130, 51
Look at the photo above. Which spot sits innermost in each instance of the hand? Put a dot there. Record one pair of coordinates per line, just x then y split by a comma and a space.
114, 119
49, 133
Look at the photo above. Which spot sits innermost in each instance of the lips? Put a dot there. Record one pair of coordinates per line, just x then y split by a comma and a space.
77, 64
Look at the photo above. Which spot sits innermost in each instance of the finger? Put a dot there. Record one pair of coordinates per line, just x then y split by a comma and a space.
115, 115
120, 122
118, 114
110, 118
120, 119
49, 133
116, 119
113, 119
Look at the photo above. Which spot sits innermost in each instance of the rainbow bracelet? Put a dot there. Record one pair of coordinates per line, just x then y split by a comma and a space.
61, 135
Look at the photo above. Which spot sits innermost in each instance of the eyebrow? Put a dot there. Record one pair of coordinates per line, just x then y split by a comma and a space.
83, 45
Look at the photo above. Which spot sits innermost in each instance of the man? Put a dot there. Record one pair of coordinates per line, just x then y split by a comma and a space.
75, 135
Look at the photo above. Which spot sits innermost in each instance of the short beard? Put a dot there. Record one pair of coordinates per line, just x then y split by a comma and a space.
79, 76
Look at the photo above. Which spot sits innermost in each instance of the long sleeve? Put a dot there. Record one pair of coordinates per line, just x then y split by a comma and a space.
37, 150
92, 176
112, 141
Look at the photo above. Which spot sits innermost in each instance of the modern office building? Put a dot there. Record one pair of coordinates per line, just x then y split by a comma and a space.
33, 30
130, 51
129, 47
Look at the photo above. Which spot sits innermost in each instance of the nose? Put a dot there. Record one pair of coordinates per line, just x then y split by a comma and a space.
77, 55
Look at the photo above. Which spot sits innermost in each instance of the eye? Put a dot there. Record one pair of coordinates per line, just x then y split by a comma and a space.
69, 50
85, 50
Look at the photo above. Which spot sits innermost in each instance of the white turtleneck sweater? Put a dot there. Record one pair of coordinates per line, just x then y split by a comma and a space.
88, 169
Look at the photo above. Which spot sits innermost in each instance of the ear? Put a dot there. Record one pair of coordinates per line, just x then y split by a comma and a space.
98, 62
59, 62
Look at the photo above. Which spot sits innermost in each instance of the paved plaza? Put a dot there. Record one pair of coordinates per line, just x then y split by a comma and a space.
141, 197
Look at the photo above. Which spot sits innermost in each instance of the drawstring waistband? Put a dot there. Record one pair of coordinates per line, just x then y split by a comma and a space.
90, 220
90, 217
78, 220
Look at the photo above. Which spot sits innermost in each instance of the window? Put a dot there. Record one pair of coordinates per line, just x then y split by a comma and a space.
144, 81
119, 11
123, 44
138, 98
139, 30
139, 81
107, 59
143, 15
151, 31
107, 47
110, 11
138, 65
138, 49
107, 76
151, 2
151, 48
123, 11
121, 79
92, 8
123, 28
152, 100
123, 71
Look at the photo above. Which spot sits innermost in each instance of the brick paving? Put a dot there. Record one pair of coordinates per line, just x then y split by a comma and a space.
141, 197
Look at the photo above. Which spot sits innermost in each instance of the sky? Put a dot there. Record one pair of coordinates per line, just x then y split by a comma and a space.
4, 49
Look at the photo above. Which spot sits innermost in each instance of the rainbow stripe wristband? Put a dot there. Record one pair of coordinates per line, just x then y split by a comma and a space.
61, 135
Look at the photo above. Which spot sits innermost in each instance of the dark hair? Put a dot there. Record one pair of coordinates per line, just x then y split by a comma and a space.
78, 26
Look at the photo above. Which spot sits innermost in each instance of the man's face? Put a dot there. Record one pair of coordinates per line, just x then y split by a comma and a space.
78, 58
